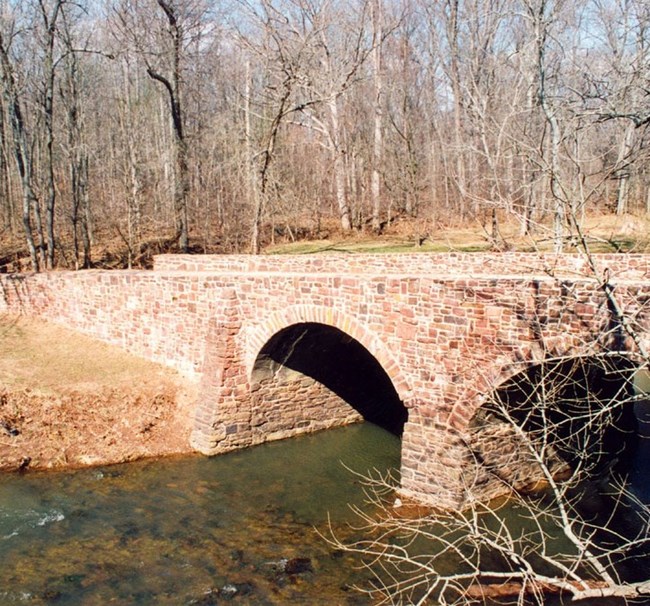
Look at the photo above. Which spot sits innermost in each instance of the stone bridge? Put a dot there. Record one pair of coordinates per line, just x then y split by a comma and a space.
284, 345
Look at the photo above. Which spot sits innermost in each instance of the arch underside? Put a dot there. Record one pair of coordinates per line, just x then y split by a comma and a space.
571, 416
311, 376
261, 334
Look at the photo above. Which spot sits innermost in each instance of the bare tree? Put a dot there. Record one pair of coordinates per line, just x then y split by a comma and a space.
77, 147
6, 197
173, 89
542, 14
279, 47
406, 135
338, 47
22, 150
377, 148
49, 13
293, 116
161, 32
620, 89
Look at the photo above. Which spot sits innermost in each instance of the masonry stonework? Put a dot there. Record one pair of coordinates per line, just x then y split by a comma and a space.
292, 404
447, 329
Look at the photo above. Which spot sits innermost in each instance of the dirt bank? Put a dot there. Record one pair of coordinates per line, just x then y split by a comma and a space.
67, 401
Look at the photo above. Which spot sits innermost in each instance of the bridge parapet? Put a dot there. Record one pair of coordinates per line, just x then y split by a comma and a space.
439, 265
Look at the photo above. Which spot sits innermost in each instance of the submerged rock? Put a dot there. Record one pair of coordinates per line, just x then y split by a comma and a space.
209, 598
298, 566
290, 565
231, 590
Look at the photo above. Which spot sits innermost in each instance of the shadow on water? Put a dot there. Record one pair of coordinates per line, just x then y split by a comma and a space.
640, 471
599, 504
599, 513
237, 527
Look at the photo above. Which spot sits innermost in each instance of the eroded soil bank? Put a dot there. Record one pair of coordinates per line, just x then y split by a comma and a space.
67, 400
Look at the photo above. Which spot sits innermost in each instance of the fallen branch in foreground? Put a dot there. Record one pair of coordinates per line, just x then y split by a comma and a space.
578, 590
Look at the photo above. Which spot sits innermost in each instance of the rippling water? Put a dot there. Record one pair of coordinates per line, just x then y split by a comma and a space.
192, 530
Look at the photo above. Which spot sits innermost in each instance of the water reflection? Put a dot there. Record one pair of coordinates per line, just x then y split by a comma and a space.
191, 531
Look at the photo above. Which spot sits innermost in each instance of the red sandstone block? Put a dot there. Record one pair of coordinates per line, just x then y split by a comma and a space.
455, 320
407, 312
493, 313
406, 331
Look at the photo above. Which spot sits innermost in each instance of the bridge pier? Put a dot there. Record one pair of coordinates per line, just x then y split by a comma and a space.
434, 462
222, 419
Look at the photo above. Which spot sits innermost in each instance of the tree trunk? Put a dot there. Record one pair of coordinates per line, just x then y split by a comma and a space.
21, 150
454, 68
339, 166
49, 24
78, 160
550, 114
375, 181
5, 174
181, 176
623, 173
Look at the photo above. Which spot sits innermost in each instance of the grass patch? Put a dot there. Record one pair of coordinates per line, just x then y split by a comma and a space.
604, 233
376, 245
43, 357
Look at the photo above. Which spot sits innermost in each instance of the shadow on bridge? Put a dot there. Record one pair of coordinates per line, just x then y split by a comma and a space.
310, 353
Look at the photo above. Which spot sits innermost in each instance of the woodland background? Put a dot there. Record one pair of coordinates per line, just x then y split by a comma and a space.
224, 125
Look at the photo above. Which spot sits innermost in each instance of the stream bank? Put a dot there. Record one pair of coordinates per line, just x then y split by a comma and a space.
69, 401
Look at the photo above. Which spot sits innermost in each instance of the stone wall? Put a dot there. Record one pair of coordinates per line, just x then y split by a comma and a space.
501, 459
446, 329
627, 266
290, 403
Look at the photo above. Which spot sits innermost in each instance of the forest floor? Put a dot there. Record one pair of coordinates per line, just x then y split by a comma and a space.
67, 400
603, 232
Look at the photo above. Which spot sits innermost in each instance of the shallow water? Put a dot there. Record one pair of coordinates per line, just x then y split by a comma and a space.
193, 530
199, 530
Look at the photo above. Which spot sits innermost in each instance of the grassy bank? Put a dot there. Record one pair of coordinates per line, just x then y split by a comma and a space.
68, 400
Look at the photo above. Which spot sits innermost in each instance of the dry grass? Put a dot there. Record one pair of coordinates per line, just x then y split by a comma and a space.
67, 400
43, 357
604, 233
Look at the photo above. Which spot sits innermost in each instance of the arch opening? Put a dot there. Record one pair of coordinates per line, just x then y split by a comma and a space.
322, 377
576, 417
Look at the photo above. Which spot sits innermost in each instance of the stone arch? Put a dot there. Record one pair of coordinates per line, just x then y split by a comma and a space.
575, 389
279, 320
554, 348
489, 378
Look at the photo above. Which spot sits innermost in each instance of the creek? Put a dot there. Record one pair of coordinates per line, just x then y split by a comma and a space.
240, 527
